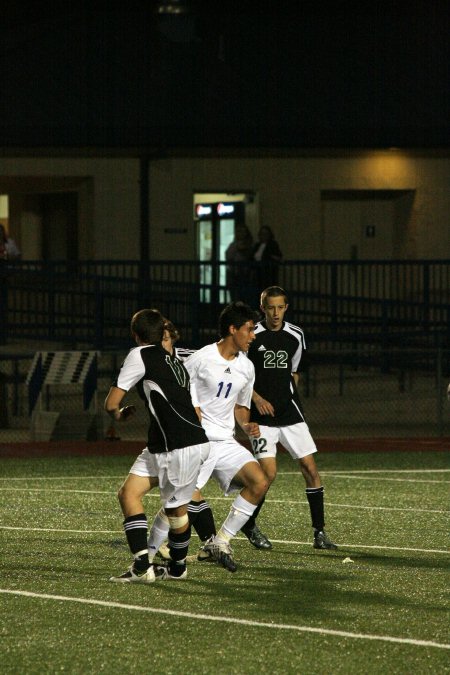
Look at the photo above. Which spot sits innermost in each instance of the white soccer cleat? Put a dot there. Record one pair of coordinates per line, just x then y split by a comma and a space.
130, 576
164, 551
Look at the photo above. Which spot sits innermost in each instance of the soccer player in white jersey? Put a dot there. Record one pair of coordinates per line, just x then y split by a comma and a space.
276, 353
222, 379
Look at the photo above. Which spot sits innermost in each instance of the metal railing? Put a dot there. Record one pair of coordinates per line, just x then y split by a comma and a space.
339, 303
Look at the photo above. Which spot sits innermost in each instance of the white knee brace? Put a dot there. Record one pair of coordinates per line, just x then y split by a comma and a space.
175, 522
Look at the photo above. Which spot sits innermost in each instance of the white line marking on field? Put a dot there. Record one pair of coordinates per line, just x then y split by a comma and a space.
377, 548
357, 506
275, 541
357, 475
337, 471
229, 499
395, 480
232, 620
53, 490
53, 529
28, 478
325, 472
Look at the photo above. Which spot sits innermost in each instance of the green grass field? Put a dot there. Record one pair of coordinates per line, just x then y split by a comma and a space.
289, 610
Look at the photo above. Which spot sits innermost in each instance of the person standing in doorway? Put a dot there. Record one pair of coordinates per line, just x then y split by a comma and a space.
8, 247
267, 257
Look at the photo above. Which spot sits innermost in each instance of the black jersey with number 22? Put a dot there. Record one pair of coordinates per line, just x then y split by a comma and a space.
276, 355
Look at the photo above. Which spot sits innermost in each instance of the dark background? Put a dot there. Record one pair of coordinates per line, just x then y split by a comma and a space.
229, 74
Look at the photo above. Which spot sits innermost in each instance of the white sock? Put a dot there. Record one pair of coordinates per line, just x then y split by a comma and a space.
158, 533
240, 512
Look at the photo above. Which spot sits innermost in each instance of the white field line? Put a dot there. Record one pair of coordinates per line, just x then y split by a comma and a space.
229, 499
355, 506
288, 542
54, 490
338, 471
324, 472
395, 480
230, 620
123, 476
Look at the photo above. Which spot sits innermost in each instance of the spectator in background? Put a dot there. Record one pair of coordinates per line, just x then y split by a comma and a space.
8, 247
237, 253
267, 256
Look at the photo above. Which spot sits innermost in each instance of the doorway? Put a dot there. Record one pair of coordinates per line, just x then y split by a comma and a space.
216, 217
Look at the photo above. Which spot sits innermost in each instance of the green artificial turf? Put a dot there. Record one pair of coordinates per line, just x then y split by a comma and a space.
61, 539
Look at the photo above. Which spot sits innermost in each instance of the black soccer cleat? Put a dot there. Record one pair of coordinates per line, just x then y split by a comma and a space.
221, 552
322, 541
258, 539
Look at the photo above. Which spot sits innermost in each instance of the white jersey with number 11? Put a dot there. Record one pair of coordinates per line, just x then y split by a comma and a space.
217, 385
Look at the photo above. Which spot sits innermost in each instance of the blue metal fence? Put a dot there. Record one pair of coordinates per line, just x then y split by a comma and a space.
90, 303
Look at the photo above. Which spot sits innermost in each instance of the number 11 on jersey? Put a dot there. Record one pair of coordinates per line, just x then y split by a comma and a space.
227, 389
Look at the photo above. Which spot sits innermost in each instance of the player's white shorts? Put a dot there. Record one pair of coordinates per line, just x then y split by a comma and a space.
296, 439
226, 458
177, 472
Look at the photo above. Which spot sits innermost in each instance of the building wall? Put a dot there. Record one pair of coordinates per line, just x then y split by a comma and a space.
108, 203
290, 199
290, 196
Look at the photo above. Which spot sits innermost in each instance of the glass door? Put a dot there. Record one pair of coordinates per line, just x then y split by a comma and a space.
216, 223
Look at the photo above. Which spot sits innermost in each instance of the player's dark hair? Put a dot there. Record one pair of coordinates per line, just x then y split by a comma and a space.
273, 292
170, 328
148, 325
235, 314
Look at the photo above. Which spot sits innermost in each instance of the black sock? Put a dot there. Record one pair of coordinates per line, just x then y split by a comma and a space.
201, 518
251, 522
178, 547
315, 499
136, 532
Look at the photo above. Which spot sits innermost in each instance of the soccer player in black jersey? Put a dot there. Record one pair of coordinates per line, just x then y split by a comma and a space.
276, 353
176, 446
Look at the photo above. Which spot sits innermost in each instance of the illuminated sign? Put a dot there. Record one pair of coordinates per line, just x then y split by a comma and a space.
203, 210
223, 209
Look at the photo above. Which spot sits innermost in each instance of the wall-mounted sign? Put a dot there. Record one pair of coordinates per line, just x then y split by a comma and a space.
225, 209
203, 210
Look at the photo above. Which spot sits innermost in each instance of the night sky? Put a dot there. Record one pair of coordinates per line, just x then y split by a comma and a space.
292, 74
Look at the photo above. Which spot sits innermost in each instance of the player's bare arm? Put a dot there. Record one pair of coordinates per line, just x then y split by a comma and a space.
242, 415
263, 406
112, 405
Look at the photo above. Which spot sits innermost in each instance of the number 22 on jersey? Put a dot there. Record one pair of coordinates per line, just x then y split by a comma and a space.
277, 359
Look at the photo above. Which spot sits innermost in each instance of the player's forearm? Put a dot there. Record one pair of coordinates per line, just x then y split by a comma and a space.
242, 415
256, 398
263, 406
112, 405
